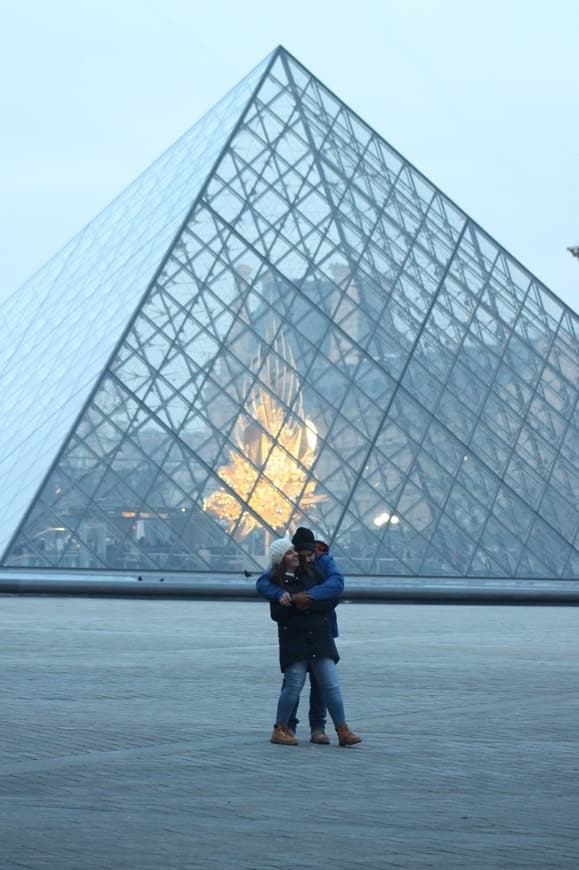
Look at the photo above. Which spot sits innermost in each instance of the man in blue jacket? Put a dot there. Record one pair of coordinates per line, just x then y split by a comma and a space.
330, 584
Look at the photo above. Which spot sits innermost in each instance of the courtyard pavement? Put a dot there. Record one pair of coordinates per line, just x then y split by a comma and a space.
134, 734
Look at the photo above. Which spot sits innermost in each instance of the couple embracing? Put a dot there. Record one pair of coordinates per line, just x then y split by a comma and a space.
303, 586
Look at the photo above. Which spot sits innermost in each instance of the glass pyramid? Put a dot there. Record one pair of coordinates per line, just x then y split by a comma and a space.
282, 322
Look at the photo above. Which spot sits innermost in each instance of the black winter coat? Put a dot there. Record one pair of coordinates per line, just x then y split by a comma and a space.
302, 634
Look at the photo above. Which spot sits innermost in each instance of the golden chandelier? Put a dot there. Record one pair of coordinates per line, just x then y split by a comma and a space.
267, 467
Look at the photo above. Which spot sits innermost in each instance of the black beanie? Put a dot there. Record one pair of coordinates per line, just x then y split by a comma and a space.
304, 539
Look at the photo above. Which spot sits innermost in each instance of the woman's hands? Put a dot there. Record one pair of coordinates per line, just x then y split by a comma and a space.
301, 600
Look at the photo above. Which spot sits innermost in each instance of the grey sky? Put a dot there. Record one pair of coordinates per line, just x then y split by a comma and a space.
481, 97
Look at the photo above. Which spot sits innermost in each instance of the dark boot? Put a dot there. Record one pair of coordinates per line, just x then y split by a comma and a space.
320, 737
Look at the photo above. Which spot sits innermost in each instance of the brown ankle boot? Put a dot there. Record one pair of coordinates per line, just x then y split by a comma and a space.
319, 736
282, 735
346, 736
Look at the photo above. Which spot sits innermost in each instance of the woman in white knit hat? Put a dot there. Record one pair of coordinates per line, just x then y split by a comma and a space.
305, 641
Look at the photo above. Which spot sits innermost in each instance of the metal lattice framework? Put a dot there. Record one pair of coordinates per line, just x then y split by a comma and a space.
306, 331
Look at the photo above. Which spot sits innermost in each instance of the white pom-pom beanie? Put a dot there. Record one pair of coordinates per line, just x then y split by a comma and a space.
278, 549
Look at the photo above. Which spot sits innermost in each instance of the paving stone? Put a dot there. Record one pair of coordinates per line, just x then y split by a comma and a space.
135, 734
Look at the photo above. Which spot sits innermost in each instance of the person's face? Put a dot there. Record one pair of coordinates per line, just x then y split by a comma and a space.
290, 560
306, 556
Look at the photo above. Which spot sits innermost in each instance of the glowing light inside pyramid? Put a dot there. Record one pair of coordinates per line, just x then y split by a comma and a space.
267, 470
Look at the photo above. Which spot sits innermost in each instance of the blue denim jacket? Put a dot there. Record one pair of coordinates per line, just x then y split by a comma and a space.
331, 586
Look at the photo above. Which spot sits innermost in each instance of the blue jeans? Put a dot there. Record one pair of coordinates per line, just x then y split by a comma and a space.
326, 673
318, 711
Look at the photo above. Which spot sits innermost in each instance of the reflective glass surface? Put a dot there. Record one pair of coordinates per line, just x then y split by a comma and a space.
330, 342
58, 330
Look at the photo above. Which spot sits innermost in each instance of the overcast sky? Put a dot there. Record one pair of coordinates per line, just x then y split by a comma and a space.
481, 97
